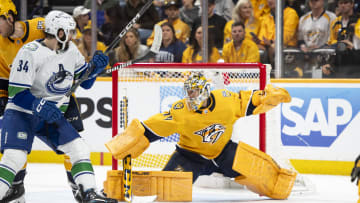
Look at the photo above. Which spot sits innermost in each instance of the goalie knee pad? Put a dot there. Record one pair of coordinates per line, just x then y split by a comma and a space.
261, 174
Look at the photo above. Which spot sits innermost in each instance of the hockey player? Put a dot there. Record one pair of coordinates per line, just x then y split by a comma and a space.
13, 35
42, 72
204, 120
355, 174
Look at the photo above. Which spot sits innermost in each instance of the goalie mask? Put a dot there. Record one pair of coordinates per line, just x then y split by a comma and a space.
197, 91
59, 20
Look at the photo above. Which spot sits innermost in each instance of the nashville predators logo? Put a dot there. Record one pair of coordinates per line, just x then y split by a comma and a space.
212, 133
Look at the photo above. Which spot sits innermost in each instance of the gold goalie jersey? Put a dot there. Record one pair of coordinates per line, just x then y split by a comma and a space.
33, 29
208, 130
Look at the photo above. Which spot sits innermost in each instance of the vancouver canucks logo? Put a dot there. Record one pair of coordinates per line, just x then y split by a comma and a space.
211, 133
60, 82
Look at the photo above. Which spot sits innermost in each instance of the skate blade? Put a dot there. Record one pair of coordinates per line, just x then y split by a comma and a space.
18, 200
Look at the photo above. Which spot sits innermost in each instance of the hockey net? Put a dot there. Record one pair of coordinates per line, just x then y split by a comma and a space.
145, 89
142, 90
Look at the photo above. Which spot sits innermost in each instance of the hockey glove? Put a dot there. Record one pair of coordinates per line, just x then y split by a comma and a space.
273, 96
100, 61
46, 110
355, 173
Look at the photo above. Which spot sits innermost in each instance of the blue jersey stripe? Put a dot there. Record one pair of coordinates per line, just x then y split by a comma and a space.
19, 84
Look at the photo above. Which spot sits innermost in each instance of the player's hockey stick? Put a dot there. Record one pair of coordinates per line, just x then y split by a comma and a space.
110, 47
129, 25
155, 47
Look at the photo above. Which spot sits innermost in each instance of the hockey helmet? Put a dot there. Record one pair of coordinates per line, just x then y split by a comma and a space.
59, 20
197, 91
6, 6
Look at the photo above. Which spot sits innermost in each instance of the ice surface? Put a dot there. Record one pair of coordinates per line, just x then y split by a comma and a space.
47, 183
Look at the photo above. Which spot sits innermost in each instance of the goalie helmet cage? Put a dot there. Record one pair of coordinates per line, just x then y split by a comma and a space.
144, 89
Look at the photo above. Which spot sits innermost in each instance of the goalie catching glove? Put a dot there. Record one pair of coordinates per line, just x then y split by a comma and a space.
273, 96
132, 141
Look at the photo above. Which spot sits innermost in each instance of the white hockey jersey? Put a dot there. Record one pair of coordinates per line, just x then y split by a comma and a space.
48, 74
315, 32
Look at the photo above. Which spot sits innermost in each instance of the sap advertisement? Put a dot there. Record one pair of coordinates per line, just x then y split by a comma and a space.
322, 121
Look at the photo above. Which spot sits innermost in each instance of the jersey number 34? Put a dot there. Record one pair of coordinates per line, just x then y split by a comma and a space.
23, 66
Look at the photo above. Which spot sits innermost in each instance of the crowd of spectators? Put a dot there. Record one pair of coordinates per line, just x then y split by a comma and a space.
318, 35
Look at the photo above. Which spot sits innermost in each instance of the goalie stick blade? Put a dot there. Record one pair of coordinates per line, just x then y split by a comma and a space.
155, 47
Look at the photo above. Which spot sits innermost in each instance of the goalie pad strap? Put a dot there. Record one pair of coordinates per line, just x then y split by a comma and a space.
166, 185
132, 141
261, 174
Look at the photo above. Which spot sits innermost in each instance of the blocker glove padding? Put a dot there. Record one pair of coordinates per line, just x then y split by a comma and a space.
355, 173
46, 110
100, 61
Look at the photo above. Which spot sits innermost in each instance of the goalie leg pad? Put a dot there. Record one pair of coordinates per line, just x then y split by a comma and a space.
261, 174
132, 141
166, 185
359, 193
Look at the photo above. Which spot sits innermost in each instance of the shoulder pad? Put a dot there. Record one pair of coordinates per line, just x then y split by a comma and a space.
31, 46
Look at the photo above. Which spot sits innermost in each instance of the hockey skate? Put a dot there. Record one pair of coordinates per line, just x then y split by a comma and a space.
76, 192
90, 196
15, 194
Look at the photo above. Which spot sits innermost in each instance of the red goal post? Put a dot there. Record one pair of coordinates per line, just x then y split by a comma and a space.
144, 89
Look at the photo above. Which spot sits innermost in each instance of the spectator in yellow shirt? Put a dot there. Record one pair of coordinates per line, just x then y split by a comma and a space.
192, 53
267, 30
345, 23
357, 35
260, 8
173, 16
243, 12
240, 49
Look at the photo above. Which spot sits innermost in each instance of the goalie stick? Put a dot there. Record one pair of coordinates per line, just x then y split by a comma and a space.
110, 47
155, 47
127, 168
